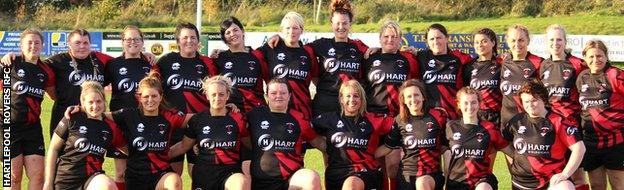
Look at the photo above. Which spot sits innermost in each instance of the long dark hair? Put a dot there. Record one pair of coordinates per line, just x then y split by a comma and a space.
403, 110
491, 35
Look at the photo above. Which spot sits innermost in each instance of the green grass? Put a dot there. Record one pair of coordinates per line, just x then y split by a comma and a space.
578, 24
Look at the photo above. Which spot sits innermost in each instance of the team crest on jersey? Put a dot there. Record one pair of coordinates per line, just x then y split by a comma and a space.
175, 66
566, 74
140, 127
451, 67
429, 126
303, 59
206, 130
493, 69
409, 127
544, 131
376, 63
602, 88
571, 130
264, 124
252, 65
228, 129
41, 77
506, 73
228, 65
353, 53
479, 137
522, 129
474, 72
331, 52
456, 136
161, 128
546, 75
281, 56
21, 73
584, 87
146, 69
123, 71
400, 63
431, 63
82, 129
199, 69
339, 125
290, 127
526, 72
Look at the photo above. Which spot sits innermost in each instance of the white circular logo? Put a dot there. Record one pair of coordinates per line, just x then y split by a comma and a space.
265, 142
82, 144
338, 139
19, 87
231, 76
139, 143
474, 83
76, 77
457, 150
520, 145
126, 85
280, 71
377, 76
207, 143
174, 81
409, 142
331, 65
506, 87
429, 77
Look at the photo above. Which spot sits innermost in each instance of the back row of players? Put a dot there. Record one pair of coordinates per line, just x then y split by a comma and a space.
589, 93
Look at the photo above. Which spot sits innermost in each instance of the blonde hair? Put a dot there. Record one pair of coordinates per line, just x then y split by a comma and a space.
92, 86
128, 28
518, 27
354, 84
391, 24
153, 81
292, 17
219, 79
558, 27
32, 31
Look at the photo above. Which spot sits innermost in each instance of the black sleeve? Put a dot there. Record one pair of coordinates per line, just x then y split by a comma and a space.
192, 125
317, 125
507, 132
393, 139
119, 118
62, 129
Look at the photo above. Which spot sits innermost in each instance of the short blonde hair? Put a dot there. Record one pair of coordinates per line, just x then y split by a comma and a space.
292, 17
519, 27
558, 27
391, 24
354, 84
219, 79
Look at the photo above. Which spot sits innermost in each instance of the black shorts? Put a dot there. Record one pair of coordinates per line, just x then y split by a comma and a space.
191, 157
611, 158
28, 140
408, 182
269, 184
334, 179
74, 182
143, 181
207, 177
490, 179
491, 116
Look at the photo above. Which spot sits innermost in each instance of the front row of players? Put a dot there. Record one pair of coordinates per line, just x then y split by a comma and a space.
272, 137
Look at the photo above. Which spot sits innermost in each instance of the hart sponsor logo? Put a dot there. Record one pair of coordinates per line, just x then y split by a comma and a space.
281, 70
523, 147
210, 144
459, 151
141, 144
431, 77
559, 91
244, 81
127, 85
266, 142
176, 81
83, 145
411, 142
507, 88
340, 139
592, 103
21, 87
378, 76
77, 77
332, 65
479, 84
